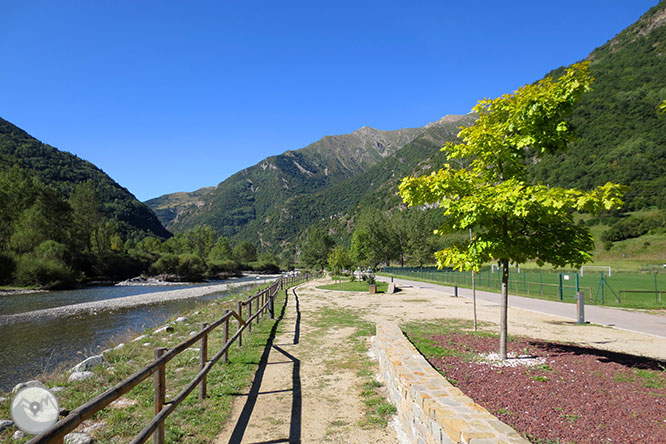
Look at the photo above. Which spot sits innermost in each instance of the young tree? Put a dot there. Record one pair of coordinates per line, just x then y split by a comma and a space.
338, 259
314, 253
245, 252
221, 250
514, 221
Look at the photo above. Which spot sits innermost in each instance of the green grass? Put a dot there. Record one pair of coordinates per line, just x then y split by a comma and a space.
354, 286
421, 332
193, 420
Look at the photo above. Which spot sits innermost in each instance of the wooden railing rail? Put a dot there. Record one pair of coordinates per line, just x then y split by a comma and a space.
264, 302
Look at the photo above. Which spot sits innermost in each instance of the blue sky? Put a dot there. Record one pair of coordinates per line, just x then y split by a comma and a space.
169, 96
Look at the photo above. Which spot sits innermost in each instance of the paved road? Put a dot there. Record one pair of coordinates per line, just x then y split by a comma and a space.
632, 320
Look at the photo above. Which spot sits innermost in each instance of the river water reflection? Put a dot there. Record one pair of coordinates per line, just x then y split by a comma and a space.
28, 349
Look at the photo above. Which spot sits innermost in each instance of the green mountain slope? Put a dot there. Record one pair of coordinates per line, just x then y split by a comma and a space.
621, 136
63, 171
337, 205
249, 194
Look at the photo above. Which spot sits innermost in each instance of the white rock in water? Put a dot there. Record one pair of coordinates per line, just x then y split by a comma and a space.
88, 363
22, 385
138, 338
18, 434
80, 376
166, 328
181, 319
5, 423
78, 438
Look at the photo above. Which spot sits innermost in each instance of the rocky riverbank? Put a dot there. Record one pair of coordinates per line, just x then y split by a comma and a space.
124, 302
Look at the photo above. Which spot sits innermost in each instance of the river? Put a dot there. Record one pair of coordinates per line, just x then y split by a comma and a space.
30, 348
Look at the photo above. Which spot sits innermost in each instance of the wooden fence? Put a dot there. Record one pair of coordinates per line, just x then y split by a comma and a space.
261, 303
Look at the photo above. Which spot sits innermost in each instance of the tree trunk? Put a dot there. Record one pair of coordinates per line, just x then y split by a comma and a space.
504, 304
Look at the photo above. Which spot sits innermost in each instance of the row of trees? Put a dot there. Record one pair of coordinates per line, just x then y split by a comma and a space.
400, 236
49, 241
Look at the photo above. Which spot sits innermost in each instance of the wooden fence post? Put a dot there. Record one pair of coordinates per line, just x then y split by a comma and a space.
225, 358
257, 310
203, 357
271, 306
239, 310
249, 315
159, 386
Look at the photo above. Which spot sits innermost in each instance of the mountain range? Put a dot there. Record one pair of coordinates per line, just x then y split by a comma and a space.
621, 138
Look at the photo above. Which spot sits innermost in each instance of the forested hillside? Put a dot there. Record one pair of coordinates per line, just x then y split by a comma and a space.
63, 220
64, 171
621, 134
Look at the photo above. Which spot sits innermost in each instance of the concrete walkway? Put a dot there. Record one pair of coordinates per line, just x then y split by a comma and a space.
625, 319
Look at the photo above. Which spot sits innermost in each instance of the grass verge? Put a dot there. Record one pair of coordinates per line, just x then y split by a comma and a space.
354, 357
354, 286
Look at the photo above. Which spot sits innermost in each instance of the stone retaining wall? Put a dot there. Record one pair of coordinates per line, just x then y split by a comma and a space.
431, 410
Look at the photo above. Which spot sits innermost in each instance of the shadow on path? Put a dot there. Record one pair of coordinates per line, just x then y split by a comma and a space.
296, 405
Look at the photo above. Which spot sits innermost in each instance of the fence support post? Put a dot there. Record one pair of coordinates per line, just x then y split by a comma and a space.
257, 309
203, 357
580, 306
455, 291
249, 315
159, 387
239, 310
225, 357
560, 288
656, 289
271, 306
541, 282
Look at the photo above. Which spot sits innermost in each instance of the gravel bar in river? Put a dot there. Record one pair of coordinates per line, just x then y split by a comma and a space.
127, 301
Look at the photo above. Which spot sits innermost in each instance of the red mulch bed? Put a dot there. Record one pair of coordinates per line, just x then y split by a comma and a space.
579, 395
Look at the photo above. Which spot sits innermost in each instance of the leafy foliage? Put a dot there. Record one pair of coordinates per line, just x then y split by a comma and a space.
316, 249
512, 220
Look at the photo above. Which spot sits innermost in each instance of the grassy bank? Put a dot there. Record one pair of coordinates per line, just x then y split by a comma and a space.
346, 285
193, 420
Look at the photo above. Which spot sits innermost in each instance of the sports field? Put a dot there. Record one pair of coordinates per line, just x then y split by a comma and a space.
621, 289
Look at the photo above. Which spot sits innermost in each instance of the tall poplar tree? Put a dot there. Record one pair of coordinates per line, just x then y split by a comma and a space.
513, 221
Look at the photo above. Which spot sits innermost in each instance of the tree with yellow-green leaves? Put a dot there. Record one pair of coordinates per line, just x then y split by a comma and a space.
513, 221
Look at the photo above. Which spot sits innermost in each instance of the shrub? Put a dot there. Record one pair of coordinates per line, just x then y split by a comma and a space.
265, 267
191, 267
44, 273
166, 264
222, 266
7, 268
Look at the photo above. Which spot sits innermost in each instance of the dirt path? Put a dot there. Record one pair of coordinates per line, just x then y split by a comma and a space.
308, 388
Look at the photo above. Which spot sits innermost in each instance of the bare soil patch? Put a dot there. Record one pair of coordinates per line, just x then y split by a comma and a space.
570, 394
